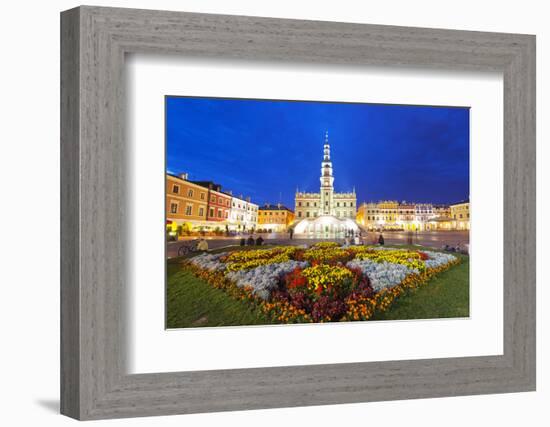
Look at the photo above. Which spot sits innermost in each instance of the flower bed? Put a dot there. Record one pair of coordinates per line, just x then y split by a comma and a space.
323, 283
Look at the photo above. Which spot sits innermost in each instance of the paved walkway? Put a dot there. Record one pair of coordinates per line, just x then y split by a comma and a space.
434, 239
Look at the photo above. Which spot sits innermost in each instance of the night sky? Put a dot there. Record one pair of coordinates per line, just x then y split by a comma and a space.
266, 149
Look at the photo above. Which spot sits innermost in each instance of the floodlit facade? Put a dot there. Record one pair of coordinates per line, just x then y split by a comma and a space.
327, 201
388, 215
423, 212
243, 215
274, 218
327, 213
460, 215
219, 203
392, 215
406, 215
203, 206
186, 203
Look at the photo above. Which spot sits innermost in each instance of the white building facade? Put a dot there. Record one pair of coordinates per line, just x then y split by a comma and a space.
424, 212
243, 215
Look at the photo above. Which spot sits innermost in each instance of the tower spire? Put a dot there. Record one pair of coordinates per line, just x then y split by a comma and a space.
327, 181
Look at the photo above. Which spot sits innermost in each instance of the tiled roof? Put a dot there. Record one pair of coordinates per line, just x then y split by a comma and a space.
269, 207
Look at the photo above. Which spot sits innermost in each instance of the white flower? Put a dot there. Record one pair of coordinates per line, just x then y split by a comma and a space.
438, 259
265, 278
382, 275
209, 262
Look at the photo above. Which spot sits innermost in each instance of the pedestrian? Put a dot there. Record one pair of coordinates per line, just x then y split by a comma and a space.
250, 241
381, 240
203, 245
259, 241
291, 232
243, 241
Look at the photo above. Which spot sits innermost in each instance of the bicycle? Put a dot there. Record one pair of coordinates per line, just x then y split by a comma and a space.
188, 248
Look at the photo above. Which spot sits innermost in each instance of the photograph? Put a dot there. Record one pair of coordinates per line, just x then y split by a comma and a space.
292, 211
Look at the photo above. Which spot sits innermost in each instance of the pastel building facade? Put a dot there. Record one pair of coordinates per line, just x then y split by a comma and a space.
204, 206
392, 215
243, 215
186, 203
275, 218
219, 203
460, 215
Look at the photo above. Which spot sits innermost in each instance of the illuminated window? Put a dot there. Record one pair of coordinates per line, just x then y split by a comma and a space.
190, 193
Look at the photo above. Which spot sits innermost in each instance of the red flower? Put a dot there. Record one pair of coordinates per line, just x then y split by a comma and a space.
294, 279
423, 256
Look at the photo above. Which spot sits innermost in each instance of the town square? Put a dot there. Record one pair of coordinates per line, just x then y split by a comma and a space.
321, 254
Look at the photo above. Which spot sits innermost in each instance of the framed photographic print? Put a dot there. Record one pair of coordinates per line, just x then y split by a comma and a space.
261, 213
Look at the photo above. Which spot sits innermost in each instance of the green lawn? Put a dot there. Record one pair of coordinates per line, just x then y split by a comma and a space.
194, 303
446, 295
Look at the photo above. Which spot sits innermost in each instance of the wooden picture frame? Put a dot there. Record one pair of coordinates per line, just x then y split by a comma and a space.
94, 382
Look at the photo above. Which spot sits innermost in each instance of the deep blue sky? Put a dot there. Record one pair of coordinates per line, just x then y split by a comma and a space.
266, 149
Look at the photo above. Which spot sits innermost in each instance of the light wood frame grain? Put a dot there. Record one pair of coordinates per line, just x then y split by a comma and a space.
94, 381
